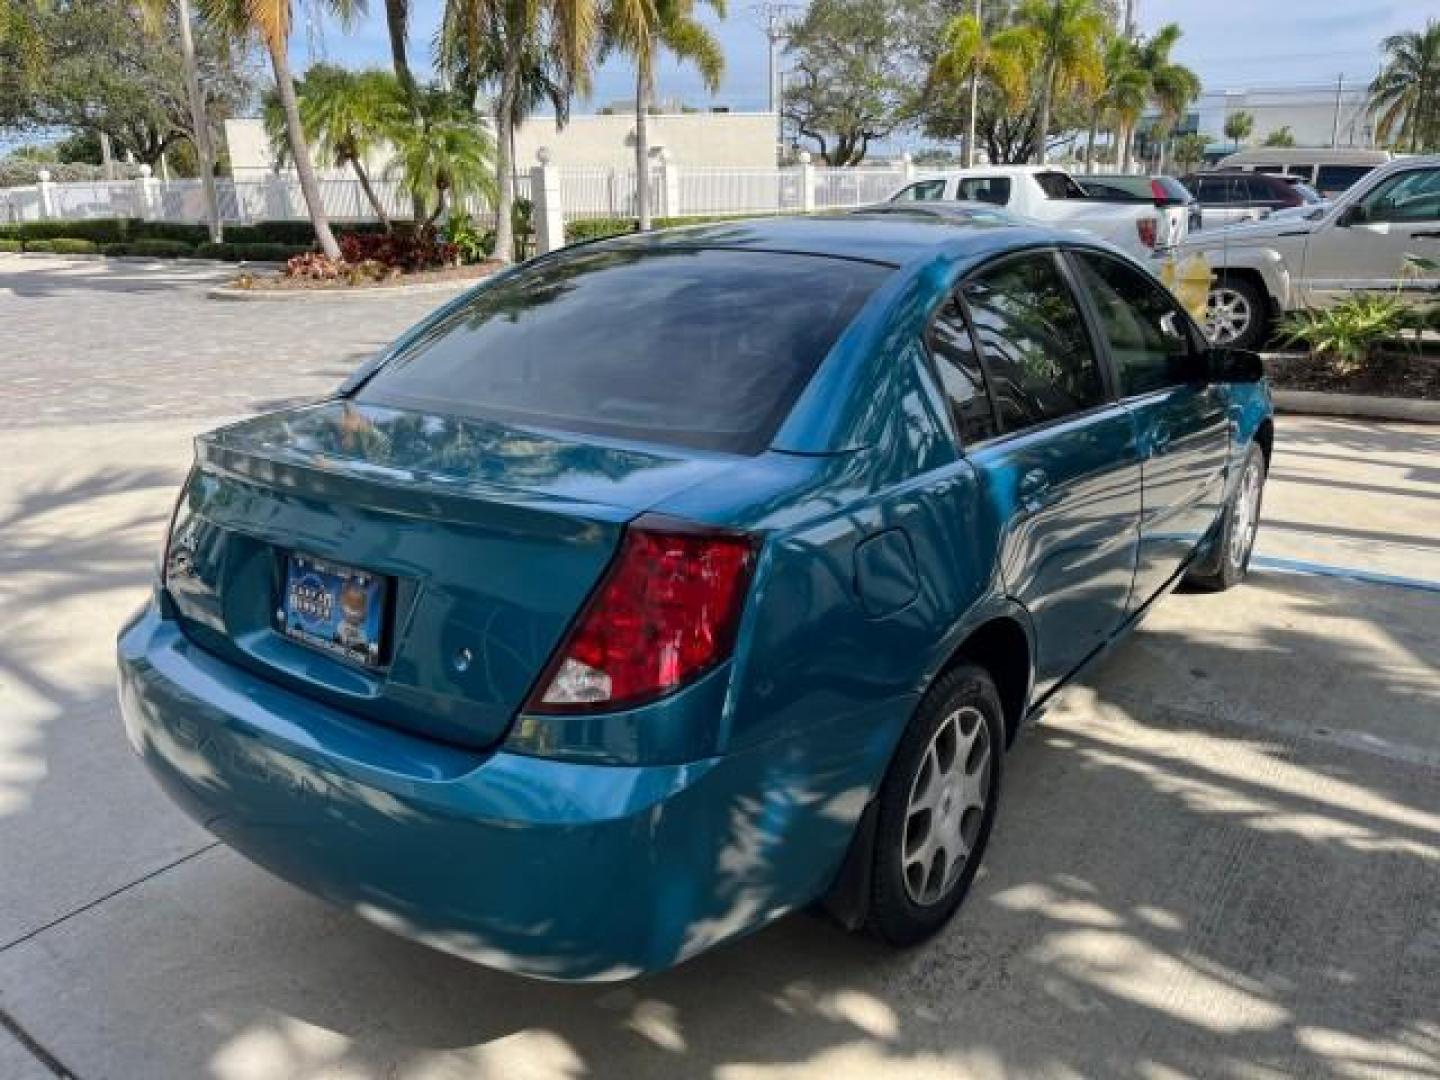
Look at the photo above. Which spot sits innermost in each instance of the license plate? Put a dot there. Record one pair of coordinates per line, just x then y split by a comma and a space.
335, 608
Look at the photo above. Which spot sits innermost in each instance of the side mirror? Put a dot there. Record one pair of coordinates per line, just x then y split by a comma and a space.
1353, 215
1236, 366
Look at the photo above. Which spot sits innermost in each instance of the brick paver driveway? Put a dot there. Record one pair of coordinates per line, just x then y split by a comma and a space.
1218, 856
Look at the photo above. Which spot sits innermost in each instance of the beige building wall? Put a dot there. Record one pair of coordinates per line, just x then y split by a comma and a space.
732, 139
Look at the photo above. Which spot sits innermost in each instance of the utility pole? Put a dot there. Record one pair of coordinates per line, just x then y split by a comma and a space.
1335, 127
974, 98
200, 120
774, 19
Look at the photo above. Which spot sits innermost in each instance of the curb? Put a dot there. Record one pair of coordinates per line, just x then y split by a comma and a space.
1319, 403
286, 296
179, 260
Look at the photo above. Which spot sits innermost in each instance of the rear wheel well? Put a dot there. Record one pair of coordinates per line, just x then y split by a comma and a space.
1002, 648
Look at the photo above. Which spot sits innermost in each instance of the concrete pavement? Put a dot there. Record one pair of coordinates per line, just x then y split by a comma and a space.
1218, 856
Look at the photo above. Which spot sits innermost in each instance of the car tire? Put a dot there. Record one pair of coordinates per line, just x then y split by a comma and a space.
1228, 560
936, 807
1237, 313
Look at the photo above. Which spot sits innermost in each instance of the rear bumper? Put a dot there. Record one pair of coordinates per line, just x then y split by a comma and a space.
558, 869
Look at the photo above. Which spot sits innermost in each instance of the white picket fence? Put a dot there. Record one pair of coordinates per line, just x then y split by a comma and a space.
582, 192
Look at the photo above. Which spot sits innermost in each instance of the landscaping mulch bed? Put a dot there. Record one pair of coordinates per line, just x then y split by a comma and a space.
280, 283
1390, 374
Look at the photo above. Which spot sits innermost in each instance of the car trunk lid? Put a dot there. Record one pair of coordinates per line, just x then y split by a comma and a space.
489, 539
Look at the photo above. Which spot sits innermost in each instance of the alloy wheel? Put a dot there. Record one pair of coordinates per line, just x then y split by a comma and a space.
1227, 315
1247, 515
947, 805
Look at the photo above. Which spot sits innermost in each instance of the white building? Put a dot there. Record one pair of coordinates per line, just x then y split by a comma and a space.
1315, 114
691, 139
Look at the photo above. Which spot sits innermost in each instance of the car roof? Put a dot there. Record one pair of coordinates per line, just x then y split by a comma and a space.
896, 239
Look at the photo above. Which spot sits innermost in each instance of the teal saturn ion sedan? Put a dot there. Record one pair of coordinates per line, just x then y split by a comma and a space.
664, 585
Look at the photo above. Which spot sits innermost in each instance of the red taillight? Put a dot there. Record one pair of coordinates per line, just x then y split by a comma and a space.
665, 612
1146, 227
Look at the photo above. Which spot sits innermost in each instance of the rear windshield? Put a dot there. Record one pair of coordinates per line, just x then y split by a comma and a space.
703, 348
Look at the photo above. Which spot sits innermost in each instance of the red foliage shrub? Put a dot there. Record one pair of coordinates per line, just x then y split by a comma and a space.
402, 250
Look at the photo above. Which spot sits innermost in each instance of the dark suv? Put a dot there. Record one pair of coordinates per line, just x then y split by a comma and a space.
1228, 197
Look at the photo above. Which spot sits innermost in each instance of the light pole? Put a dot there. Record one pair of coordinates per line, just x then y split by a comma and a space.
775, 21
974, 96
199, 119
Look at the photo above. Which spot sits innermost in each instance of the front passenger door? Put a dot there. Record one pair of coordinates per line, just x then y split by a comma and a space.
1181, 418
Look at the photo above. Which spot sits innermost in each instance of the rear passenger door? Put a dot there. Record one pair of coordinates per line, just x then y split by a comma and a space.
1056, 456
1181, 418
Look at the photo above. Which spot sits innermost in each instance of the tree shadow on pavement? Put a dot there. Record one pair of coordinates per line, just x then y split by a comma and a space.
1188, 877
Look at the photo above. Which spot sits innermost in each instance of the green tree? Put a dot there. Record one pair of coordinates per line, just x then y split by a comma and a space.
1238, 126
1171, 86
347, 116
1405, 96
1066, 47
641, 29
1189, 150
102, 69
970, 55
1281, 136
1120, 98
564, 31
270, 21
446, 156
853, 69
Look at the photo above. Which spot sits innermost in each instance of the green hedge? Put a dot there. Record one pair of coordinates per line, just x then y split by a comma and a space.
99, 231
165, 249
251, 252
599, 228
293, 234
69, 245
7, 244
39, 245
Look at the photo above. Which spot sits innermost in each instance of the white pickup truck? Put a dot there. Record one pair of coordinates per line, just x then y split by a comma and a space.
1049, 195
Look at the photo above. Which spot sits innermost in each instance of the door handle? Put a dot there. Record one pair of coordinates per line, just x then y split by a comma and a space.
1428, 234
1034, 489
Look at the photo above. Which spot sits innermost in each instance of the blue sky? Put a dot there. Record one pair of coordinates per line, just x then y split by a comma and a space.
1232, 44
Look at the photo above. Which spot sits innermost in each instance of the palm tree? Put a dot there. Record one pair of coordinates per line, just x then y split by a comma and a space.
566, 31
642, 28
969, 54
1238, 126
1281, 136
1066, 42
446, 155
270, 21
1120, 97
1405, 96
1171, 86
347, 115
1190, 150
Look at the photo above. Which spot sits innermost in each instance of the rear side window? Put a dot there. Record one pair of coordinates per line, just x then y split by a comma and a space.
1037, 354
991, 189
1149, 339
924, 191
703, 348
958, 366
1058, 185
